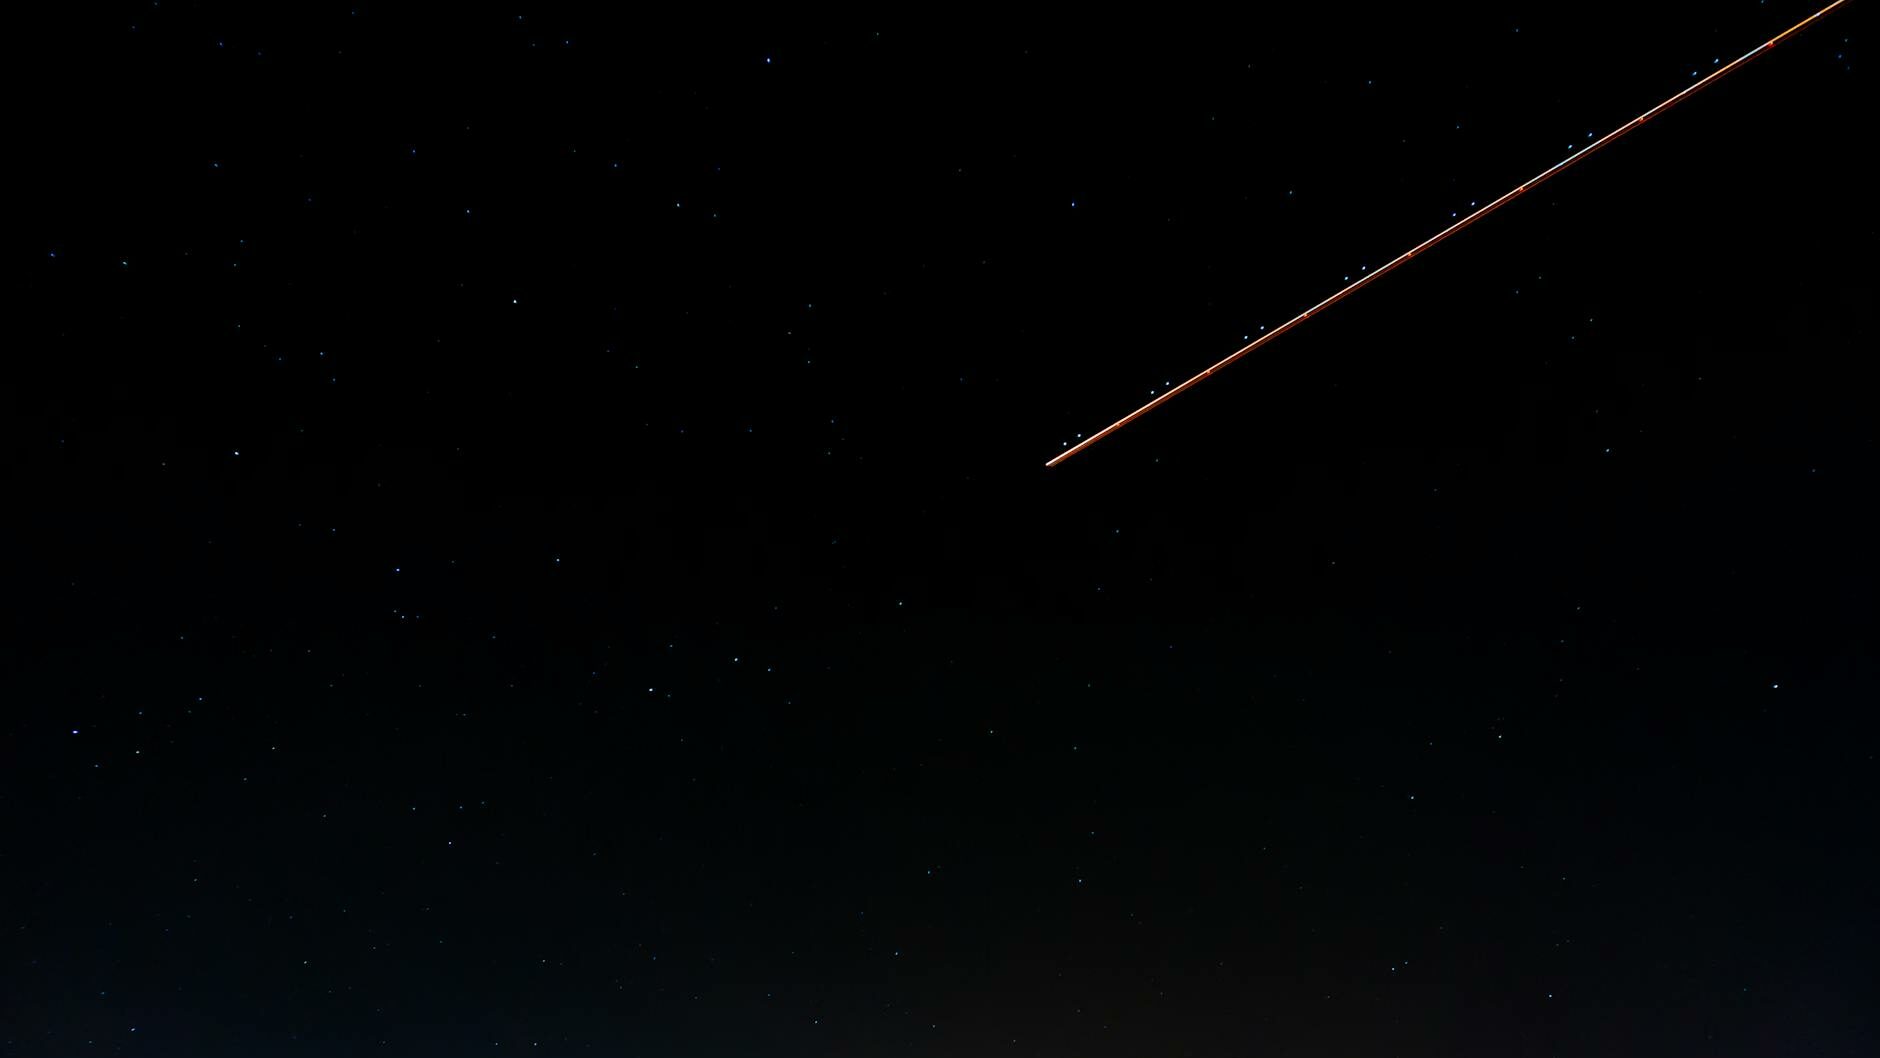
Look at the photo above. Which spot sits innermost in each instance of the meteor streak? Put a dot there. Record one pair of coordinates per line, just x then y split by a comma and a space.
1426, 244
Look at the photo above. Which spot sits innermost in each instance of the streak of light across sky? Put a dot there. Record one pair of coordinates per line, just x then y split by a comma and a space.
1523, 188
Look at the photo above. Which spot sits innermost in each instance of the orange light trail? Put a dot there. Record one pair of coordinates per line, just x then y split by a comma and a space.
1519, 190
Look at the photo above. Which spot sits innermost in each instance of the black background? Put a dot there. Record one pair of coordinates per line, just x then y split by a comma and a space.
526, 530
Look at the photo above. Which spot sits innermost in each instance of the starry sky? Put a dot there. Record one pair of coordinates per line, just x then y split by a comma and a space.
526, 532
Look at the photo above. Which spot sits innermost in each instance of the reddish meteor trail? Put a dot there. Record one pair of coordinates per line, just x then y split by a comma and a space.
1439, 237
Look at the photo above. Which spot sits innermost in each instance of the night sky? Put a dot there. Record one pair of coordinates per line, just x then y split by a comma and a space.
526, 531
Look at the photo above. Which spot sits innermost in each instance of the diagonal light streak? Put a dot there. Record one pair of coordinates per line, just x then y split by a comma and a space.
1521, 189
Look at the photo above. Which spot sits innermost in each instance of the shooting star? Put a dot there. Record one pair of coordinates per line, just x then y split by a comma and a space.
1521, 189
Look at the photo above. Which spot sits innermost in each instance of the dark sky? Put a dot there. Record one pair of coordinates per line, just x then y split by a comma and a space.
526, 531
